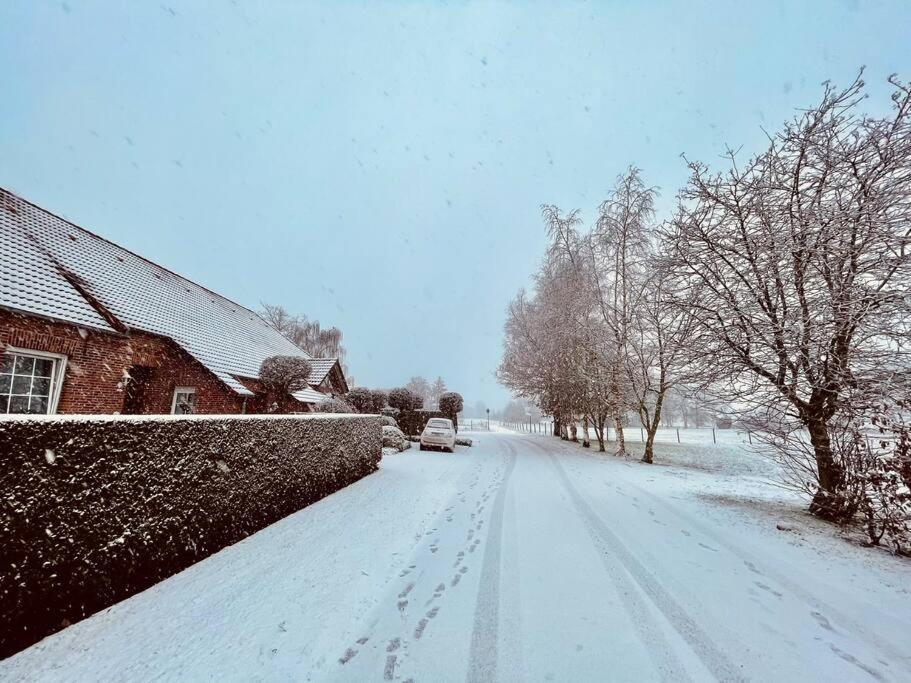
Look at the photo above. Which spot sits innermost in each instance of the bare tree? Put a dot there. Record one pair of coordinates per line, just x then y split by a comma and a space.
659, 339
802, 259
306, 334
620, 247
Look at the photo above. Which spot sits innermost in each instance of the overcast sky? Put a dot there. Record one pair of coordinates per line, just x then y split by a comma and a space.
380, 166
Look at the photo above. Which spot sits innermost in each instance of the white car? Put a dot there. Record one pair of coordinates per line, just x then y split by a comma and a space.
438, 433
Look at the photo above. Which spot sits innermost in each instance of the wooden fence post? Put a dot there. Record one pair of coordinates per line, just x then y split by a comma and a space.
678, 434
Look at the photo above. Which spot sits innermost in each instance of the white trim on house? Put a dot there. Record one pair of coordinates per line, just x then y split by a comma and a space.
57, 373
177, 392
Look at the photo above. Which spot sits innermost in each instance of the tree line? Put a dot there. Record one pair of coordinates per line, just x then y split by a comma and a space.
779, 284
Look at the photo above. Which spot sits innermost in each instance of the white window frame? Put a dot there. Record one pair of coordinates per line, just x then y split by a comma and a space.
177, 391
57, 374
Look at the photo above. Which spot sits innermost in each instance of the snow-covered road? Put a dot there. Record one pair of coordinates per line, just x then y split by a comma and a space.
522, 558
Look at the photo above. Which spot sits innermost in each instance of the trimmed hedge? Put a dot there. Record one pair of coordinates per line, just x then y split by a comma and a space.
412, 422
95, 509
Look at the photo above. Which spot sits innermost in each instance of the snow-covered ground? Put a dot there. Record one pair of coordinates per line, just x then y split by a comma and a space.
522, 558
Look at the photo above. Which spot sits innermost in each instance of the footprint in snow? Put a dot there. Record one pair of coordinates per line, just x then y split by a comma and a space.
389, 669
822, 620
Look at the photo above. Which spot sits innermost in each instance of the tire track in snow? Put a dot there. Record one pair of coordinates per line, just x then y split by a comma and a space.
482, 661
817, 608
703, 646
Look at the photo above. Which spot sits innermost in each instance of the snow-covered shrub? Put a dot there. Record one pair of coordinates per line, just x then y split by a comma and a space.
389, 411
886, 506
96, 509
412, 422
388, 420
451, 404
280, 376
393, 438
875, 473
361, 398
462, 441
284, 374
334, 405
380, 400
405, 399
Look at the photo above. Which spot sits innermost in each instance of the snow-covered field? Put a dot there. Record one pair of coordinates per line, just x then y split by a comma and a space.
522, 558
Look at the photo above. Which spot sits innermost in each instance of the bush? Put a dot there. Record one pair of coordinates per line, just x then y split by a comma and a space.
99, 508
412, 422
405, 399
389, 411
393, 438
451, 404
280, 376
380, 399
361, 398
334, 405
284, 375
388, 420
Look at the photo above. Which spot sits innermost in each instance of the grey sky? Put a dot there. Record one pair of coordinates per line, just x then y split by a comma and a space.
379, 166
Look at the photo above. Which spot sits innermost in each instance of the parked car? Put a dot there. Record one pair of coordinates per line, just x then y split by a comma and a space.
439, 433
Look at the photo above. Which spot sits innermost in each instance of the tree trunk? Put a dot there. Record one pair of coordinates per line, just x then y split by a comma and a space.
585, 441
651, 428
558, 427
621, 443
599, 433
649, 455
572, 431
828, 502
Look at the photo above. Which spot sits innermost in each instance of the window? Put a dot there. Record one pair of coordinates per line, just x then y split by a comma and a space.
184, 402
30, 381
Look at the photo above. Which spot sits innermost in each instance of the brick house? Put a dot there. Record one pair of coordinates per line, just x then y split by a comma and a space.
89, 327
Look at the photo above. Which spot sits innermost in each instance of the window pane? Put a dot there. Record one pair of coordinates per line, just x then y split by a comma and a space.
41, 386
185, 403
38, 405
5, 382
24, 365
22, 385
6, 362
18, 404
43, 367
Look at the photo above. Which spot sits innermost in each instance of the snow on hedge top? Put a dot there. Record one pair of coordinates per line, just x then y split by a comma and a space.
70, 417
36, 249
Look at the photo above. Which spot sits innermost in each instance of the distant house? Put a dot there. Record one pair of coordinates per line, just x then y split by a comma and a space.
89, 327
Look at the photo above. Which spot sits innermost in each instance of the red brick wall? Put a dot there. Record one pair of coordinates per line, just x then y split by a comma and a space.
98, 363
95, 360
171, 368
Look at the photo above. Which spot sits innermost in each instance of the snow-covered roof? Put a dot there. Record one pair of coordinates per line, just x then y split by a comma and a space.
309, 396
38, 250
320, 367
31, 281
